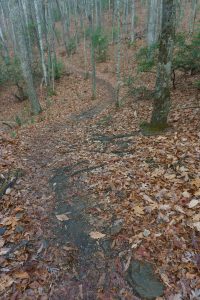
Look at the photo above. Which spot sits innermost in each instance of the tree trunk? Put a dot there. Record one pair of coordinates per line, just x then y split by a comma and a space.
133, 21
118, 56
193, 15
93, 58
154, 21
161, 105
24, 57
40, 38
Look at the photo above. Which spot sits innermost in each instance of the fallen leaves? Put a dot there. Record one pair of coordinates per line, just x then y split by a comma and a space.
196, 182
21, 275
186, 194
62, 217
96, 235
2, 242
5, 282
197, 226
193, 203
158, 195
139, 211
4, 251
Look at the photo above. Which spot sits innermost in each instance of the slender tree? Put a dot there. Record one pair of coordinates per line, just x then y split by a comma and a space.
24, 55
133, 21
118, 56
193, 15
154, 21
40, 38
161, 106
92, 49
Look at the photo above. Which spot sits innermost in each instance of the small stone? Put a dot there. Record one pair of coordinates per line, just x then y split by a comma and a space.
19, 229
19, 215
106, 246
116, 227
2, 230
8, 191
146, 233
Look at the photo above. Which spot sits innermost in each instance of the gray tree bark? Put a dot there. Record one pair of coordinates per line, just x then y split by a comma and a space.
161, 105
24, 56
40, 38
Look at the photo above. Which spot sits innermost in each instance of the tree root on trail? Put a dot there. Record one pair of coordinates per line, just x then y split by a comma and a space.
104, 138
69, 170
11, 125
89, 169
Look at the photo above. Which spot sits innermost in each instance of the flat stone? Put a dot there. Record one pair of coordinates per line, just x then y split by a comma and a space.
144, 281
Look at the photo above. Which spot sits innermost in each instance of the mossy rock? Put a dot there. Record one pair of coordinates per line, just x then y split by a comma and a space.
149, 129
145, 283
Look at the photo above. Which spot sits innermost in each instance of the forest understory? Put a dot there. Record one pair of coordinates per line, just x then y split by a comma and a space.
90, 195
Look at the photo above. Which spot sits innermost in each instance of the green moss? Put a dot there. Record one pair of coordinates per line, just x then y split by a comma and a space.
149, 129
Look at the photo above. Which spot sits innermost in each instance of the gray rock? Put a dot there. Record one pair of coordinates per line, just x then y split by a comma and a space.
116, 227
2, 230
144, 281
19, 229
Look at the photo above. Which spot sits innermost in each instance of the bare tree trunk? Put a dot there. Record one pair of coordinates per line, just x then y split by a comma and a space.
161, 105
40, 38
5, 51
12, 29
93, 60
118, 102
24, 57
154, 21
193, 15
133, 21
25, 14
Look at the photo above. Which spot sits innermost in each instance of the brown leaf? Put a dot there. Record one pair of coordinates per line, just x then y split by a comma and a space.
5, 282
197, 193
193, 203
197, 226
96, 235
62, 217
4, 251
21, 275
68, 248
138, 210
9, 221
196, 182
2, 242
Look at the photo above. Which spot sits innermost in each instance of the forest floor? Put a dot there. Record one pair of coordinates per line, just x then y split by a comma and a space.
95, 201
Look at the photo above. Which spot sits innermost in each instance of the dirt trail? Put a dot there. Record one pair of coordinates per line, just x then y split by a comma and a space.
83, 267
93, 260
104, 84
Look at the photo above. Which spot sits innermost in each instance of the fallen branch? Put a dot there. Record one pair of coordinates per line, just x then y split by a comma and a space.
9, 124
186, 107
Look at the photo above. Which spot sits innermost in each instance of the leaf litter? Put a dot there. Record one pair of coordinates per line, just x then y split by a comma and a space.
153, 187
